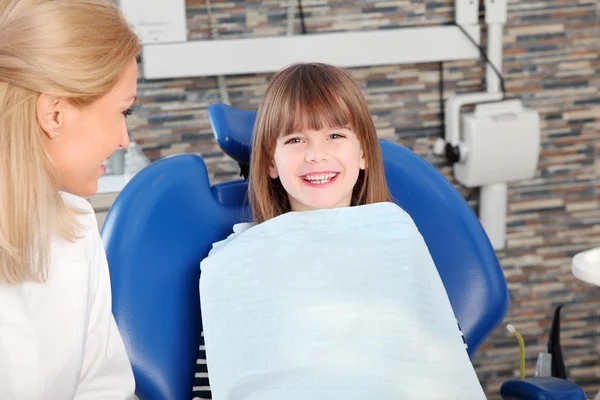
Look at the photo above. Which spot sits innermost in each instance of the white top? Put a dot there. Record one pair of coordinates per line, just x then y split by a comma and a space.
59, 339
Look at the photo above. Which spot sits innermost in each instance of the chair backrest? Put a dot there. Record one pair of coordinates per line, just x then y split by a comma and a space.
164, 221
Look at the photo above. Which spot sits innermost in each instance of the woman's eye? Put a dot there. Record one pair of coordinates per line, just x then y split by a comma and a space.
128, 112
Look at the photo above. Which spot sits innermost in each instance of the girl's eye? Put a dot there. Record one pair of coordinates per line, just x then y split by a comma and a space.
294, 140
336, 136
128, 112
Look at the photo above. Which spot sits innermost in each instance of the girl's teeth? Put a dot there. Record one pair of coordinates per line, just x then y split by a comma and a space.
320, 178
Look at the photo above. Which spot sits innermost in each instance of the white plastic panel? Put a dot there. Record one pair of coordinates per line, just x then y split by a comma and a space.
495, 11
157, 21
466, 12
503, 142
346, 49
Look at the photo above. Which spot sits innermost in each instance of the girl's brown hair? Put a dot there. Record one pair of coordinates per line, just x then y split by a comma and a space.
311, 96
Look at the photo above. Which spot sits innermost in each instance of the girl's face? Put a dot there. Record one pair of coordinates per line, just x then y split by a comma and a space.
318, 169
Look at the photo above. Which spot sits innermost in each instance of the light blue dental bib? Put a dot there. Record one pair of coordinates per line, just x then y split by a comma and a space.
331, 304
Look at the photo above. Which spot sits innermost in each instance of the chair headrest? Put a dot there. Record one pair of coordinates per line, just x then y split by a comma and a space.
232, 128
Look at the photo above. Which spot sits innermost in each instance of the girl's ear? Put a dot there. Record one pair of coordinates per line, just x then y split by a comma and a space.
363, 161
273, 170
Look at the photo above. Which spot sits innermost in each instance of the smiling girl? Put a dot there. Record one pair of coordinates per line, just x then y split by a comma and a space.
331, 292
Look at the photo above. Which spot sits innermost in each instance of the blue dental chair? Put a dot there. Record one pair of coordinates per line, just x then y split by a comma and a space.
164, 221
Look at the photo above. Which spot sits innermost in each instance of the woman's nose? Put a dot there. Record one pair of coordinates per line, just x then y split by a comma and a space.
124, 143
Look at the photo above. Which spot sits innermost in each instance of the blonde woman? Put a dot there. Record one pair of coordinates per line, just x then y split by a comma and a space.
67, 82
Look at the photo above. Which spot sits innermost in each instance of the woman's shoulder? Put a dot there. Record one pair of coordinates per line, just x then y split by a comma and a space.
77, 202
85, 215
87, 235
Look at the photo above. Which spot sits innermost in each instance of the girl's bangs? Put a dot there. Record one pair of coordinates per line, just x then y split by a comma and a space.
312, 108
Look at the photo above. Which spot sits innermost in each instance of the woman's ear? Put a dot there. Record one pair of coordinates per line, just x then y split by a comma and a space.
49, 113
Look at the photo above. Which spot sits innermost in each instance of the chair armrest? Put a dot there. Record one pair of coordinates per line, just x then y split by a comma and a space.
541, 388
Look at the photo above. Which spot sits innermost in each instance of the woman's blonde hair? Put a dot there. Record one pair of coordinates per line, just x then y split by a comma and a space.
73, 49
311, 96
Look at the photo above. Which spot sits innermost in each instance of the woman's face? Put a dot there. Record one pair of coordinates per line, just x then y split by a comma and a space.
82, 138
